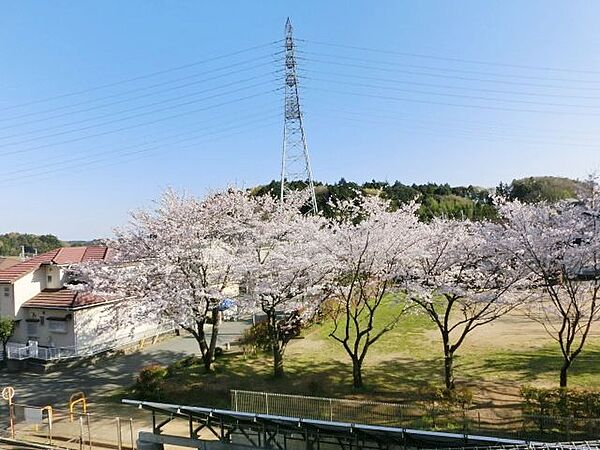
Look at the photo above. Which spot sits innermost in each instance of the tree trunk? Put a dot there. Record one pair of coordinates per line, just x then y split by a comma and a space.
216, 321
357, 381
564, 373
278, 371
204, 350
276, 345
449, 370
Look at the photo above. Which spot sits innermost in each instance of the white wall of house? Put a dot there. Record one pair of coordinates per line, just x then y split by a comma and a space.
38, 324
55, 277
100, 326
27, 287
7, 306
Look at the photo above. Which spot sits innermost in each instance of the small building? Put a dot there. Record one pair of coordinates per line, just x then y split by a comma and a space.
53, 321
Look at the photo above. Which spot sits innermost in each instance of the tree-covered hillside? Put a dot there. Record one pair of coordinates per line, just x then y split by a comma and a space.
536, 189
442, 200
437, 200
10, 243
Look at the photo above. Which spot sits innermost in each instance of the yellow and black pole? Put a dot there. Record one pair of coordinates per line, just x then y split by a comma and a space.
8, 394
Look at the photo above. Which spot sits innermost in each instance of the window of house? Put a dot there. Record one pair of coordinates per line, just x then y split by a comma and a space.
6, 291
49, 278
32, 329
57, 326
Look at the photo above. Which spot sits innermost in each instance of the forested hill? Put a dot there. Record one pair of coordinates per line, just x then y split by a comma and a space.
10, 243
436, 200
439, 200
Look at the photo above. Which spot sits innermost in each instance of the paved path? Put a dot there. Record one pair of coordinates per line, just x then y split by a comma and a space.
99, 379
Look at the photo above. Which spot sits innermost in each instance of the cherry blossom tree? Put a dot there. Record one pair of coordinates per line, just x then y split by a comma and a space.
462, 282
371, 250
559, 244
284, 265
173, 265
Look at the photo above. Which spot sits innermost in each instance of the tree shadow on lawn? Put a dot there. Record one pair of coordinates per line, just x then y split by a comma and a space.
533, 366
390, 381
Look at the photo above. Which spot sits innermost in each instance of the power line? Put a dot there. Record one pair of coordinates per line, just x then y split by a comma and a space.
446, 94
452, 87
137, 155
104, 133
451, 59
214, 119
476, 124
123, 111
142, 77
143, 88
465, 132
134, 116
458, 105
448, 69
450, 77
161, 142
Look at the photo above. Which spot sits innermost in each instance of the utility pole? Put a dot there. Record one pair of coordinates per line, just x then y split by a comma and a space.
295, 162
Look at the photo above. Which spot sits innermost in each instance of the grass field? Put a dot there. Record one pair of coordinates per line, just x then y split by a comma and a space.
494, 363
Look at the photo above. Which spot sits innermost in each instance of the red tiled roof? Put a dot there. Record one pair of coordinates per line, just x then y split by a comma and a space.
63, 298
64, 255
6, 262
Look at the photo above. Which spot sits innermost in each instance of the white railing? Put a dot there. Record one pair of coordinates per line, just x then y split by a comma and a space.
22, 351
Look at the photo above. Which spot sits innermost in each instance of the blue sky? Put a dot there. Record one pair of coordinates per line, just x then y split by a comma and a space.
105, 104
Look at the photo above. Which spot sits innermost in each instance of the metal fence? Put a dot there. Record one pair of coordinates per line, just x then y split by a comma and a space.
432, 416
319, 408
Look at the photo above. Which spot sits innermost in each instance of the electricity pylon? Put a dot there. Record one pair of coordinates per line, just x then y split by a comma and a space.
295, 163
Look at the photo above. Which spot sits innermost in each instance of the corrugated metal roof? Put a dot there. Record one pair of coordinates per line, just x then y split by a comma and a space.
63, 298
64, 255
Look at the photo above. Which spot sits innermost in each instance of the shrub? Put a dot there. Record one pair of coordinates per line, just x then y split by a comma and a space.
149, 383
446, 399
560, 402
257, 337
183, 363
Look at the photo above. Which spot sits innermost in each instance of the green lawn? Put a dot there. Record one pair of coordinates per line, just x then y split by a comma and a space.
401, 367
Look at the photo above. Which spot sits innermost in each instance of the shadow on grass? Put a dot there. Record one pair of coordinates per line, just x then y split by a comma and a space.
397, 381
534, 365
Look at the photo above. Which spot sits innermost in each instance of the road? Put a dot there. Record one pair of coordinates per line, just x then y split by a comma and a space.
99, 379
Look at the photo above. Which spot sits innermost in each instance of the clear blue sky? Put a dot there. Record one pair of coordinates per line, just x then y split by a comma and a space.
105, 104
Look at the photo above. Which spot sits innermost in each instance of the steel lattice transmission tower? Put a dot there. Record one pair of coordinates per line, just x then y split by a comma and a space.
295, 163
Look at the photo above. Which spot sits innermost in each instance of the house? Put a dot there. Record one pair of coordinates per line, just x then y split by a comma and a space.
55, 322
